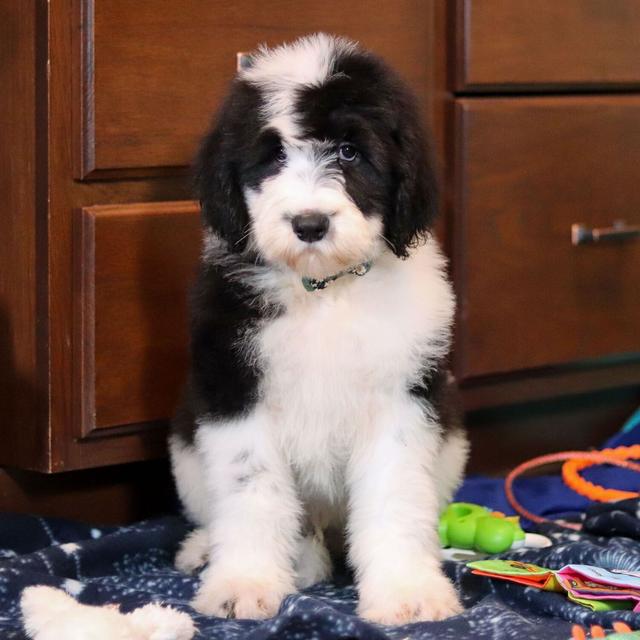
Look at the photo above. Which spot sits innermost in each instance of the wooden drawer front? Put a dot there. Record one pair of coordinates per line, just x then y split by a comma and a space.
134, 266
547, 43
526, 169
153, 74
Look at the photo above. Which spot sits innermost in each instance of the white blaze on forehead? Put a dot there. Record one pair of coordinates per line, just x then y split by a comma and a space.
312, 163
280, 71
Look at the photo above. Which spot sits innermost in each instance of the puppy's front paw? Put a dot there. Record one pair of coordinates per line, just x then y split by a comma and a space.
432, 597
226, 595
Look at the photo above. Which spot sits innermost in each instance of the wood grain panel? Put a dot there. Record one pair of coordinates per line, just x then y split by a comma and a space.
113, 495
548, 383
503, 437
526, 169
22, 387
547, 44
133, 270
152, 77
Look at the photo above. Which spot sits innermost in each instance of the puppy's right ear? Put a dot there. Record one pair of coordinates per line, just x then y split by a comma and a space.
217, 179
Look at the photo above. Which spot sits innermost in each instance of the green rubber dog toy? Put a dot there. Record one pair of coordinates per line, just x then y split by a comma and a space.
470, 526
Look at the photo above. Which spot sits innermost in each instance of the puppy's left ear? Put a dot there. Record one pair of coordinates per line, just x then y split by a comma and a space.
217, 182
414, 203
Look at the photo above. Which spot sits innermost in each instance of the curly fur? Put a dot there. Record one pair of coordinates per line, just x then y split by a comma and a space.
306, 411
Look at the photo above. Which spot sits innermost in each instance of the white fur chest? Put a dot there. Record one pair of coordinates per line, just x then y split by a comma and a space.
335, 355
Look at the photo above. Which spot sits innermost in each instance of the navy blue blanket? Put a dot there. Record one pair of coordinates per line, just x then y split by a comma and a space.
132, 566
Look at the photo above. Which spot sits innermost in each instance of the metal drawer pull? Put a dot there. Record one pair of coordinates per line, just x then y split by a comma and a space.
581, 234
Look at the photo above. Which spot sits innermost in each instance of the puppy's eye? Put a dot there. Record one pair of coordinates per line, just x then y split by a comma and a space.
281, 154
347, 152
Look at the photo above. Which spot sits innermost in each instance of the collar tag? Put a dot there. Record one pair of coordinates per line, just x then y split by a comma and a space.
315, 284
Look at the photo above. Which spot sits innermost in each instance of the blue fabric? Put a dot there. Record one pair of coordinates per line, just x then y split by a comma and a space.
544, 495
132, 566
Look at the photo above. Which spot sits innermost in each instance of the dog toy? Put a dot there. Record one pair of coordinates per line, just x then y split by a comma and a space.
621, 631
590, 457
593, 587
573, 479
52, 614
525, 573
470, 526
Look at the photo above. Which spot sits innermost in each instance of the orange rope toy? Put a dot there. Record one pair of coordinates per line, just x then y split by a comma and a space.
572, 478
578, 633
585, 457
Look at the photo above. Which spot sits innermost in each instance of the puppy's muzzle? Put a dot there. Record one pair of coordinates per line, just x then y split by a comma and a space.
310, 227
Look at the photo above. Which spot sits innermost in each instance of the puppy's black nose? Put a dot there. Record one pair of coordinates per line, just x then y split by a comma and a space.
310, 227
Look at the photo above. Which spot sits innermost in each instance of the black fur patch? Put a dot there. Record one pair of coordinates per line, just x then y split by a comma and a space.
223, 381
365, 103
237, 152
441, 394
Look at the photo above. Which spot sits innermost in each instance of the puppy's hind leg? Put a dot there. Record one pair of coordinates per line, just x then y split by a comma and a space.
193, 552
313, 562
188, 472
454, 450
452, 460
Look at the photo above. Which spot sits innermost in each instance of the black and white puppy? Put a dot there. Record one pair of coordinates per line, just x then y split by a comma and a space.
320, 327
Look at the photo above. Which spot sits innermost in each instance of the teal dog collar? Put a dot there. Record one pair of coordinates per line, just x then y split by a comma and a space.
314, 284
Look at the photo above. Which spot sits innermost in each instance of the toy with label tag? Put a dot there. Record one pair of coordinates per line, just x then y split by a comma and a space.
593, 587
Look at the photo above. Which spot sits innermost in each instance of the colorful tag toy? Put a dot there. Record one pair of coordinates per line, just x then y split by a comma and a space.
593, 587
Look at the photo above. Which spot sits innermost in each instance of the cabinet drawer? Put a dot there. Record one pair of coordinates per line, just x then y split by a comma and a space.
525, 171
523, 44
134, 265
149, 85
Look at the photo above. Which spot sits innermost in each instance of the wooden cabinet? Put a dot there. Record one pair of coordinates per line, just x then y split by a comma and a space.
134, 264
546, 45
99, 233
528, 170
104, 104
544, 133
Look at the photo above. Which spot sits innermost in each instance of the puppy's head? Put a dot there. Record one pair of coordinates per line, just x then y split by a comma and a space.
317, 160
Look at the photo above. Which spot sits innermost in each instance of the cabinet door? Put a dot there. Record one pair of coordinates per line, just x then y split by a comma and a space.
526, 171
153, 74
546, 44
133, 269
